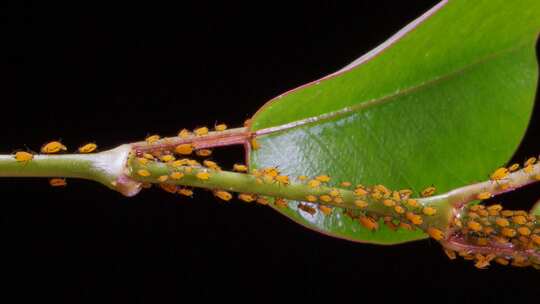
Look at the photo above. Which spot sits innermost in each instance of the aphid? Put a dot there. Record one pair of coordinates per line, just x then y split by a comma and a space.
255, 144
323, 178
22, 156
494, 209
307, 209
360, 192
528, 169
184, 149
142, 161
537, 177
399, 209
412, 202
163, 178
338, 200
382, 189
513, 167
185, 191
177, 175
504, 186
482, 241
502, 261
221, 127
435, 233
507, 213
203, 175
345, 184
536, 239
502, 222
520, 212
53, 147
458, 223
311, 198
262, 200
167, 158
499, 174
334, 192
224, 195
429, 211
368, 222
168, 187
152, 139
450, 253
240, 168
282, 179
302, 178
524, 230
406, 226
508, 232
143, 172
429, 191
530, 161
474, 226
212, 165
248, 198
57, 182
325, 198
483, 195
281, 202
483, 261
88, 148
414, 218
361, 204
389, 203
325, 209
405, 193
148, 156
389, 223
396, 196
519, 219
314, 183
201, 131
204, 152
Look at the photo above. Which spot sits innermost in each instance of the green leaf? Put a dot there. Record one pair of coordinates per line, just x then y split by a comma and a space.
443, 102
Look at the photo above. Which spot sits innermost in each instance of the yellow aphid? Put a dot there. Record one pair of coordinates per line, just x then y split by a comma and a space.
482, 241
180, 162
204, 152
163, 178
314, 183
212, 165
414, 218
474, 226
536, 239
271, 171
221, 127
88, 148
282, 179
520, 212
396, 196
185, 191
201, 131
435, 233
399, 209
184, 133
500, 221
429, 211
368, 222
361, 203
325, 209
184, 149
405, 193
323, 178
528, 169
360, 192
345, 184
143, 172
148, 156
334, 192
476, 207
429, 191
302, 178
240, 168
502, 261
193, 162
530, 161
177, 175
507, 213
168, 187
22, 156
338, 200
57, 182
224, 195
142, 161
519, 219
255, 144
53, 147
167, 158
325, 198
450, 254
203, 175
494, 208
499, 174
406, 226
483, 195
307, 209
281, 202
508, 232
382, 189
264, 201
377, 195
458, 223
524, 231
483, 261
152, 139
248, 198
389, 203
311, 198
488, 230
513, 167
412, 202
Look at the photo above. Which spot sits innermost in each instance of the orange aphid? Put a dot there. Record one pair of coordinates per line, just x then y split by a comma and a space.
53, 147
325, 198
399, 209
302, 178
389, 203
204, 152
148, 156
450, 254
282, 179
143, 172
314, 183
152, 139
519, 219
57, 182
345, 184
502, 222
248, 198
264, 201
201, 131
168, 187
361, 203
435, 233
177, 175
281, 202
325, 209
224, 195
414, 218
88, 148
523, 230
530, 161
429, 211
142, 161
536, 239
22, 156
502, 261
167, 158
240, 168
508, 232
499, 174
360, 192
185, 192
412, 202
307, 209
474, 226
429, 191
212, 165
202, 175
163, 178
528, 169
311, 198
184, 149
221, 127
368, 222
513, 167
184, 133
323, 178
483, 195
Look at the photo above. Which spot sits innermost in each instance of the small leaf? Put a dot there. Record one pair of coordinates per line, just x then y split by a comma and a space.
443, 102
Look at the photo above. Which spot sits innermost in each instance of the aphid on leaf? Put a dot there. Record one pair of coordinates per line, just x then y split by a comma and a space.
508, 232
474, 226
499, 174
368, 222
311, 198
221, 127
281, 202
302, 178
323, 178
414, 218
262, 200
152, 139
513, 167
143, 172
345, 184
201, 131
177, 175
519, 219
325, 209
22, 156
282, 179
148, 156
246, 197
429, 211
334, 192
240, 168
502, 261
255, 144
360, 192
212, 165
523, 230
338, 200
168, 187
167, 158
528, 169
412, 202
389, 203
435, 233
429, 191
184, 133
530, 161
536, 239
361, 204
483, 195
142, 161
399, 209
57, 182
204, 152
53, 147
203, 175
163, 178
184, 149
224, 195
314, 183
405, 193
325, 198
185, 191
502, 222
88, 148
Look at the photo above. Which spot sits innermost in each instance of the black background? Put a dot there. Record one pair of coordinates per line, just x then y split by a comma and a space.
130, 71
